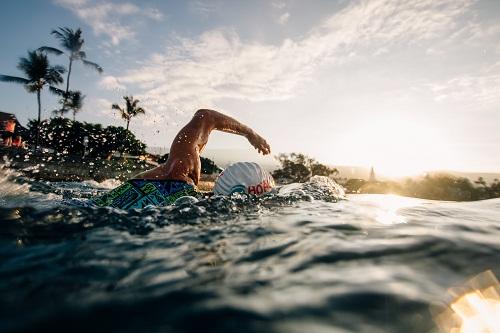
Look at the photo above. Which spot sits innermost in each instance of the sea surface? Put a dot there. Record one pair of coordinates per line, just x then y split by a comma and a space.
304, 259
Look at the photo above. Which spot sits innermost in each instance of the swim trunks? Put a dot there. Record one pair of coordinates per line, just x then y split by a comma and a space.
139, 193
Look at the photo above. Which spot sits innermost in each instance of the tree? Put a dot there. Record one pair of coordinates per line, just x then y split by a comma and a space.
38, 73
131, 109
71, 101
72, 42
299, 168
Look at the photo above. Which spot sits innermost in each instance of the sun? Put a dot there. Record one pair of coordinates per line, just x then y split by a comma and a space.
399, 145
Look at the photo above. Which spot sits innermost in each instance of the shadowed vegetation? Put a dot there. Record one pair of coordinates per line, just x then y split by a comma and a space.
67, 137
71, 102
38, 73
299, 168
435, 187
130, 110
71, 42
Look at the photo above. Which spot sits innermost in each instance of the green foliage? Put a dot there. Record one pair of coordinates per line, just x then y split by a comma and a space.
354, 185
39, 73
442, 187
72, 42
67, 137
130, 111
299, 168
434, 187
208, 166
72, 101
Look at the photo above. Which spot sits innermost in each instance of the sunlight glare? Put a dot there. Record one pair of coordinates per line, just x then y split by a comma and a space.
389, 207
475, 311
399, 146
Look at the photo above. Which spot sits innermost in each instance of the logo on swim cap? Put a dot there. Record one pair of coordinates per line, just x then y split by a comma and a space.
238, 189
243, 177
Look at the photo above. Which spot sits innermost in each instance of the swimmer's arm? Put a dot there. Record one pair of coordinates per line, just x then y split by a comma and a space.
221, 122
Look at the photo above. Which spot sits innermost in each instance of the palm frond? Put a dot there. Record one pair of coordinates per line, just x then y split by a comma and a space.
140, 111
49, 49
82, 55
59, 35
57, 91
32, 87
69, 39
60, 112
54, 76
58, 68
14, 79
116, 107
93, 65
76, 101
35, 65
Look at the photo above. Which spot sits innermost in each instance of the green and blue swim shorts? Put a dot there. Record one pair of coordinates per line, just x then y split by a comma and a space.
139, 193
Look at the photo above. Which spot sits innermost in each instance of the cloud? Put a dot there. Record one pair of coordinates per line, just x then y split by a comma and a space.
203, 8
283, 19
99, 107
380, 51
278, 4
473, 90
110, 82
216, 65
433, 52
105, 17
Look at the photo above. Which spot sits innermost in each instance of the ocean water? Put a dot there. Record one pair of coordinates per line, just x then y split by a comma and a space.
305, 259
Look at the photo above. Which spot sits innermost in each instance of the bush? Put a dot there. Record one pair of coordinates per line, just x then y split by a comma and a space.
298, 168
434, 187
67, 137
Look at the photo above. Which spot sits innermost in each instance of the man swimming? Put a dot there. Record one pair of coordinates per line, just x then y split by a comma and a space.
180, 174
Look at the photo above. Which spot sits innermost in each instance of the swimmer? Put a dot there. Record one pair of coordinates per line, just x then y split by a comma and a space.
180, 174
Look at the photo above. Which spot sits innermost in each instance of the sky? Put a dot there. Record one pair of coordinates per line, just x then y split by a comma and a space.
401, 85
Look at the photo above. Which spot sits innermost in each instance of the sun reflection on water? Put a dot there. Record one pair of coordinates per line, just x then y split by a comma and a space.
475, 310
389, 207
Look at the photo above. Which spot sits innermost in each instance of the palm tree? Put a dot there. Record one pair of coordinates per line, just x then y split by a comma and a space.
72, 42
39, 73
131, 110
76, 102
71, 101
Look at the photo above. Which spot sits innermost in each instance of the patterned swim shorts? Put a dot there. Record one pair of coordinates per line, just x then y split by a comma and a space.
139, 193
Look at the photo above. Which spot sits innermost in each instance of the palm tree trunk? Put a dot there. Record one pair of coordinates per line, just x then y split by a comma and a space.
125, 139
39, 120
67, 85
69, 74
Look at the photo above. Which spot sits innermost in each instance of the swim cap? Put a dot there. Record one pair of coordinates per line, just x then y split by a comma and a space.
243, 177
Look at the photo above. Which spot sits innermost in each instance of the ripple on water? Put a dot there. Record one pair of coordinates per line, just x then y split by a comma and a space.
298, 260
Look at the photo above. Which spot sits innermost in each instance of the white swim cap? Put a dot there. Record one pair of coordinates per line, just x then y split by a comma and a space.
243, 177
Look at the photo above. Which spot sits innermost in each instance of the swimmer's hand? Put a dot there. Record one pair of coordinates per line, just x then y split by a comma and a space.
259, 143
